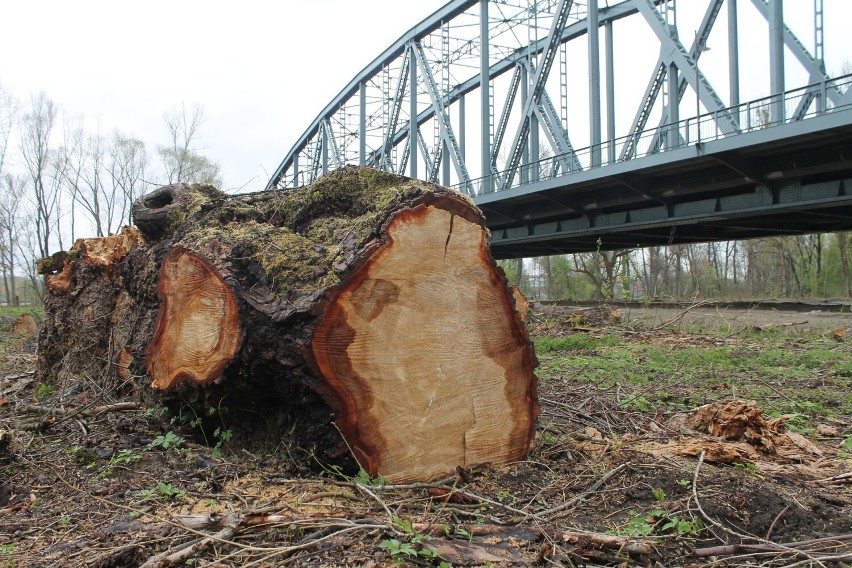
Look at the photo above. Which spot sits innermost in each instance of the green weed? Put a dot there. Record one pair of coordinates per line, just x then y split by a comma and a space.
44, 390
169, 441
660, 523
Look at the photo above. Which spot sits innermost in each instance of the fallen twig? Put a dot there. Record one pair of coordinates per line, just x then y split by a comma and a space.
680, 315
738, 548
610, 541
775, 521
577, 498
184, 552
841, 478
26, 408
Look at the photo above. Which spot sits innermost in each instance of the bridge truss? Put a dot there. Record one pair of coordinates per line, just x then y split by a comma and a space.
487, 95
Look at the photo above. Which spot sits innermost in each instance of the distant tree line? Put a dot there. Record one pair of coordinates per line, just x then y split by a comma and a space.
800, 266
60, 181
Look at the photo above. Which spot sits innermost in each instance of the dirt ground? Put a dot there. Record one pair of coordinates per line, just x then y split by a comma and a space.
90, 479
716, 318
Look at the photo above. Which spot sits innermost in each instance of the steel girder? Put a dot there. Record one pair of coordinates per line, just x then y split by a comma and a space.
381, 109
447, 134
695, 52
675, 54
812, 64
532, 103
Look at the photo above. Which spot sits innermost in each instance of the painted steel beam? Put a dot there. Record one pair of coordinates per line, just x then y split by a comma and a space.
384, 158
763, 201
413, 125
607, 15
427, 155
674, 52
801, 53
557, 135
594, 83
548, 56
452, 9
335, 149
503, 123
628, 150
448, 137
485, 97
698, 47
320, 148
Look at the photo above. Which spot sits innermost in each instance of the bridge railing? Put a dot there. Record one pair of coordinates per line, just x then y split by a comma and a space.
791, 106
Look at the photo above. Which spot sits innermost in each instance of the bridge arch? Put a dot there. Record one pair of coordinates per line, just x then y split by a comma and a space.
516, 97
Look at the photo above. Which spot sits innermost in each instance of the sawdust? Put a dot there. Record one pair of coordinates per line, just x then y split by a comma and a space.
739, 432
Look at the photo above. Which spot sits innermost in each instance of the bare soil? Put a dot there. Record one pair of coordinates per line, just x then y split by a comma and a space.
86, 482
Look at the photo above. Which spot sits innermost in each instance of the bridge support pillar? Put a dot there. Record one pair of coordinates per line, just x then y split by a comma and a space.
362, 124
673, 107
776, 59
594, 83
485, 88
733, 54
610, 94
412, 122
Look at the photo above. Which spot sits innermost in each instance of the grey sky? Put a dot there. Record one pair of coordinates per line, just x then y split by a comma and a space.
262, 70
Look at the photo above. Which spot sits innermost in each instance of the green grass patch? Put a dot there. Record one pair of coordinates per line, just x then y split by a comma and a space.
575, 342
804, 375
14, 312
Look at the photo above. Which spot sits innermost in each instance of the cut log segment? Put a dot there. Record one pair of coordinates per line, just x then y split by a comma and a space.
362, 313
198, 328
521, 303
415, 345
91, 310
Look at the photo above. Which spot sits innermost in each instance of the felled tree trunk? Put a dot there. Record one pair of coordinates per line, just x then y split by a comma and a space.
365, 306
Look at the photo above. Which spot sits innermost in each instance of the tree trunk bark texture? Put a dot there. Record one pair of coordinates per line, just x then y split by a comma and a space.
360, 315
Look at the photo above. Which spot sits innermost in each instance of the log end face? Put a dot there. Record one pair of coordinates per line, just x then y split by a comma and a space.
197, 332
429, 362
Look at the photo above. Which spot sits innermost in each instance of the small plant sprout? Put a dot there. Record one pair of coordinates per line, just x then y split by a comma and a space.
169, 492
363, 478
43, 390
169, 441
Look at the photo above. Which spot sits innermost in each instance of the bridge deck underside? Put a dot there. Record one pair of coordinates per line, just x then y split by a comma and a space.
717, 191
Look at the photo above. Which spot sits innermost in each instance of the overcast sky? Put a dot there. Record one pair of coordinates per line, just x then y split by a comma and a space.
262, 70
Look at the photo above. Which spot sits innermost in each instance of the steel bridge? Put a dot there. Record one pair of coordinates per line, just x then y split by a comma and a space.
502, 99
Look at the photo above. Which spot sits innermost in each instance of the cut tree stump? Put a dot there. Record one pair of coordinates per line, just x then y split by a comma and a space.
360, 315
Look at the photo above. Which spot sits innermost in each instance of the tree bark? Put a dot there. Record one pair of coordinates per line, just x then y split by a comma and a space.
842, 240
362, 313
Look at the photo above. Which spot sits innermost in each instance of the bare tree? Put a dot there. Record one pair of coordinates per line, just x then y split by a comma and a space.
104, 177
181, 159
127, 161
70, 154
8, 110
85, 176
843, 240
11, 192
36, 128
603, 268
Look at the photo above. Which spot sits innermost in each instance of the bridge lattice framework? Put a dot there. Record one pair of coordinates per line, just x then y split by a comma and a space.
509, 70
